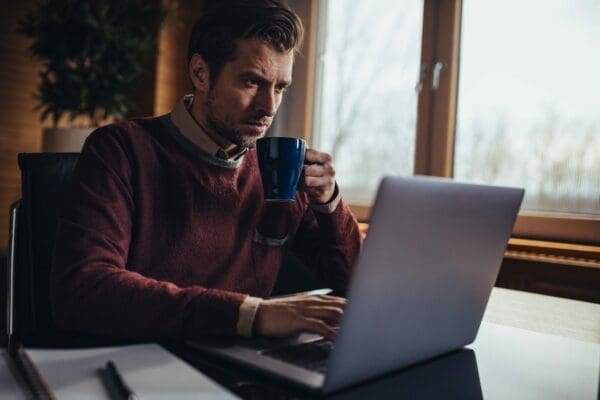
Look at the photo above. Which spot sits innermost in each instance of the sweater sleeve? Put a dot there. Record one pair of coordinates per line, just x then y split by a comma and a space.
329, 244
93, 290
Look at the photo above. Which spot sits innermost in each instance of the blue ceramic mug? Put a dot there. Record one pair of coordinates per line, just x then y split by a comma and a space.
280, 160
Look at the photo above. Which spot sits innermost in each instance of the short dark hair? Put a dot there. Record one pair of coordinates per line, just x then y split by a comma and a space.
224, 22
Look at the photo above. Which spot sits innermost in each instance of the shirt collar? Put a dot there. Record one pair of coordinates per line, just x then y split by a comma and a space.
187, 125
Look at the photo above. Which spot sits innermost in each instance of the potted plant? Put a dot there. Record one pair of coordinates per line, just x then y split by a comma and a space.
94, 54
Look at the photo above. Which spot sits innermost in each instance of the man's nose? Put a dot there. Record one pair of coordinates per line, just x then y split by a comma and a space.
267, 102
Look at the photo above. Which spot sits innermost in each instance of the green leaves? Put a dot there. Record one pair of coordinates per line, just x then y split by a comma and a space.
94, 53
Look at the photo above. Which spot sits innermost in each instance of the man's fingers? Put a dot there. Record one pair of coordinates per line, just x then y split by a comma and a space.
314, 182
292, 315
319, 327
319, 177
314, 156
326, 304
302, 297
331, 315
328, 297
314, 170
320, 300
319, 170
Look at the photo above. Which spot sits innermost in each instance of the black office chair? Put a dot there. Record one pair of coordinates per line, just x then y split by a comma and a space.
44, 178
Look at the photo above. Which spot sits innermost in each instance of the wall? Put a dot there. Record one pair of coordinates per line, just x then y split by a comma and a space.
21, 130
172, 81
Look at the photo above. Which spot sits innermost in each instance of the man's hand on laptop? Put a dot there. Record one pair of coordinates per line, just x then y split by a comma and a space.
292, 315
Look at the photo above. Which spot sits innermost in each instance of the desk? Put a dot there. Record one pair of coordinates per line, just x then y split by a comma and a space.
553, 315
530, 346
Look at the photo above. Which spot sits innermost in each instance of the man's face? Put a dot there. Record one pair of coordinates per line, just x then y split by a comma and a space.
242, 102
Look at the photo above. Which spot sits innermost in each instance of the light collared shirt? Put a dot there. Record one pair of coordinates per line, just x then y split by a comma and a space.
195, 133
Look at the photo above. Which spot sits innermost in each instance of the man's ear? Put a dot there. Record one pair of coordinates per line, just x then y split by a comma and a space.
199, 73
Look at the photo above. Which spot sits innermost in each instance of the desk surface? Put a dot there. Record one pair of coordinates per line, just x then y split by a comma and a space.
535, 312
514, 363
530, 346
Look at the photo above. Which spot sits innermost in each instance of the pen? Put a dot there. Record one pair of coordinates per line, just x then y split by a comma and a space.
38, 387
117, 379
314, 292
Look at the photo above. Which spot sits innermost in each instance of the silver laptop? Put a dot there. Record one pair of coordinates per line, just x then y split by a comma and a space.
419, 289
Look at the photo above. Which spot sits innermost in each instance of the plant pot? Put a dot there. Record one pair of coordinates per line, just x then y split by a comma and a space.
63, 140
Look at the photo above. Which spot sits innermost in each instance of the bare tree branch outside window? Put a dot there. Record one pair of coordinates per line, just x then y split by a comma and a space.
528, 113
369, 103
527, 106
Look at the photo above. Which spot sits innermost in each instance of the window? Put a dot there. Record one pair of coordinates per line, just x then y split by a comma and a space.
367, 68
527, 102
522, 112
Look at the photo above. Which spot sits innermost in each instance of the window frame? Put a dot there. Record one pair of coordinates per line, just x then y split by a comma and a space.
436, 115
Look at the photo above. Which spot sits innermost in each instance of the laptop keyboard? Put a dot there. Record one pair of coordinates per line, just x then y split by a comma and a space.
312, 355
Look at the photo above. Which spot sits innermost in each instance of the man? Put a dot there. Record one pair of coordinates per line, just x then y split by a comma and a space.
165, 232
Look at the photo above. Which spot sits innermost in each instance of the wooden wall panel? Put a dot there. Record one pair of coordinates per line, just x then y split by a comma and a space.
20, 130
172, 80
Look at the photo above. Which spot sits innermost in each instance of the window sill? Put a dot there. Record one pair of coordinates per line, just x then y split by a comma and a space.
552, 268
544, 251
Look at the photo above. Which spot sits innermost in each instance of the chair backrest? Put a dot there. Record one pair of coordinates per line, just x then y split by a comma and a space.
44, 178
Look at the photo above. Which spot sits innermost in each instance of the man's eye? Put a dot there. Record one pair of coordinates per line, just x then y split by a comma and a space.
281, 89
251, 82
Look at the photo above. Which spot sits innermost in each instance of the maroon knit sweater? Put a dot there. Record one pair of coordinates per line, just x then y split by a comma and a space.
158, 239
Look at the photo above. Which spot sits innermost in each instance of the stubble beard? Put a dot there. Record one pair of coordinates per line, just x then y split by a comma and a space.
224, 128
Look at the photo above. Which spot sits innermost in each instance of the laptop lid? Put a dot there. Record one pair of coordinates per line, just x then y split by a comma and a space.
423, 279
419, 289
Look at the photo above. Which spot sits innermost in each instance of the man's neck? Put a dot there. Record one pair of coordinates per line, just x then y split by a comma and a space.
228, 146
224, 143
